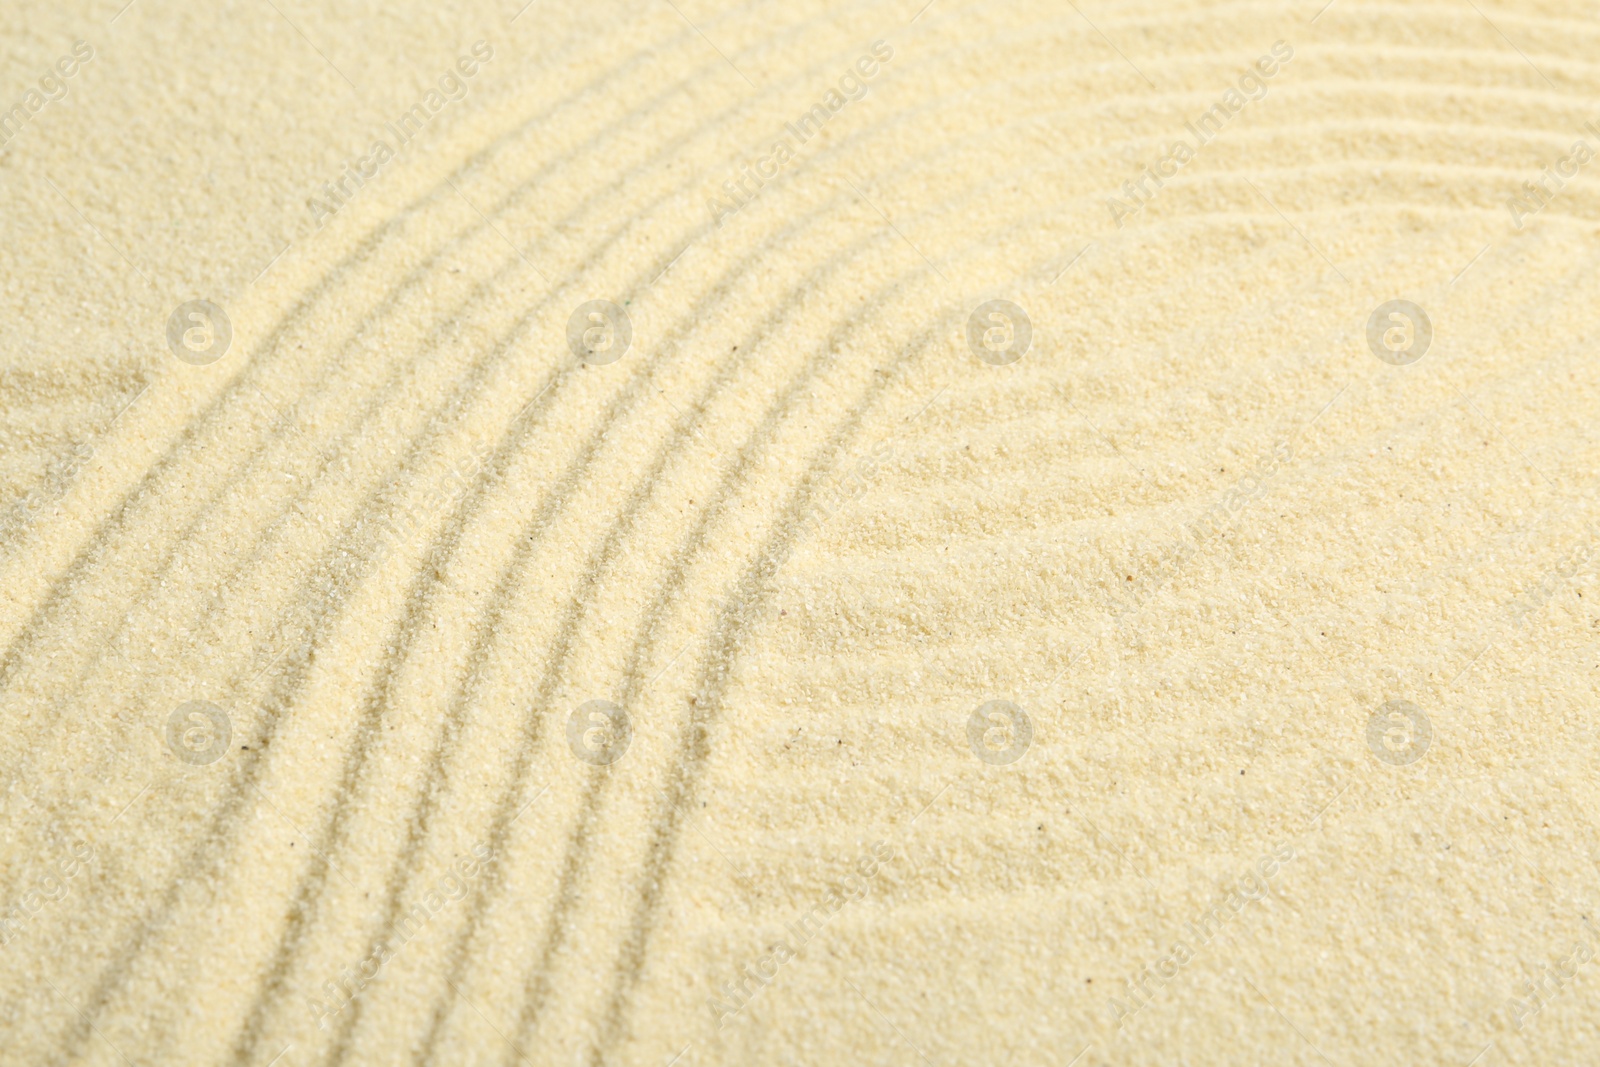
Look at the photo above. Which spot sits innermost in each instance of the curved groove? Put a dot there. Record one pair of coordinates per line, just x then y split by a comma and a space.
1193, 313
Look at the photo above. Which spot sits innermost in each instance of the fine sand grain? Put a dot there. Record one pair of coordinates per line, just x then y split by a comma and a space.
665, 532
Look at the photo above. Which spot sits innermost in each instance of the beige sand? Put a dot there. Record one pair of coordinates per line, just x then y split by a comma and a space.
1212, 684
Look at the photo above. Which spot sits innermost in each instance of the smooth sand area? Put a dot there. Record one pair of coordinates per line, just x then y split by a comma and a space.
666, 532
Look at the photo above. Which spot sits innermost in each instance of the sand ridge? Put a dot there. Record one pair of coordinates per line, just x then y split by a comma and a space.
979, 585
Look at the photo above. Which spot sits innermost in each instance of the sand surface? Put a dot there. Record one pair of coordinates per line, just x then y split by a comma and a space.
666, 532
